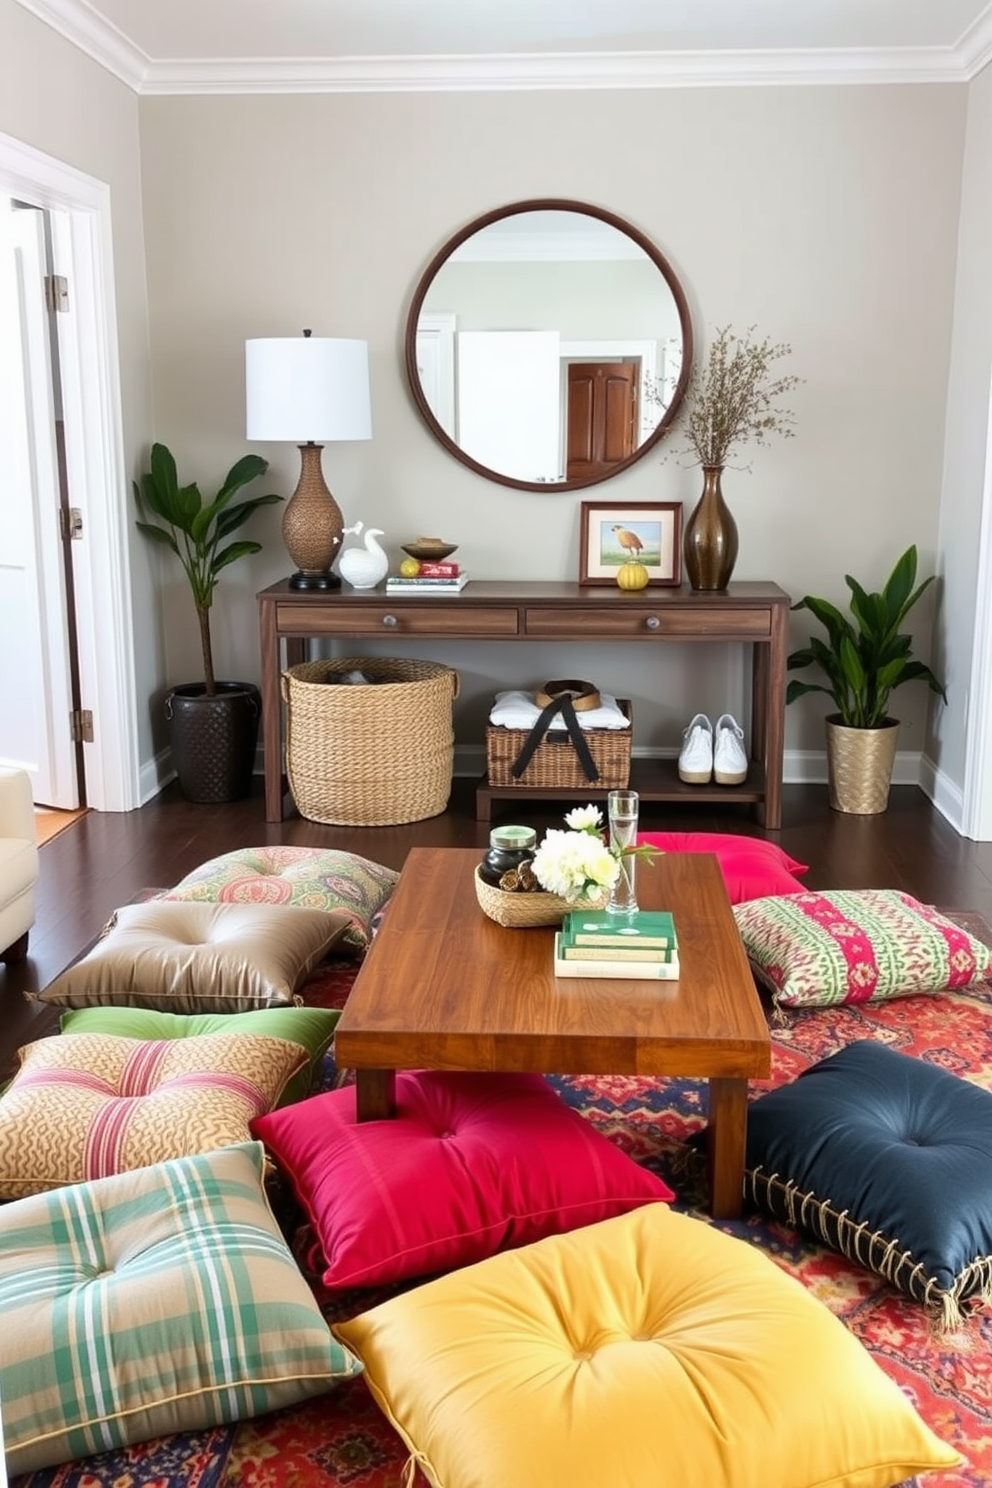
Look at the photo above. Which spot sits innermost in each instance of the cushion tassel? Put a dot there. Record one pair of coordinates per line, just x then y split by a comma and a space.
416, 1459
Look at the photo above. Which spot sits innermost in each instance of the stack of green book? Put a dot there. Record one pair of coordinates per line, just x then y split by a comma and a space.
598, 944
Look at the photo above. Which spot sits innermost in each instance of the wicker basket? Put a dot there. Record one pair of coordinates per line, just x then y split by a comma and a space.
519, 911
375, 755
555, 762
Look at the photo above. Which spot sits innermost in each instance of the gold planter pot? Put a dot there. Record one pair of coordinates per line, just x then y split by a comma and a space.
859, 765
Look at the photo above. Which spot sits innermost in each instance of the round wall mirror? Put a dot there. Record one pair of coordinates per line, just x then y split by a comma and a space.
548, 345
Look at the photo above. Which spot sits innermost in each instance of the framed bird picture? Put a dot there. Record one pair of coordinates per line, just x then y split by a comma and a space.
645, 533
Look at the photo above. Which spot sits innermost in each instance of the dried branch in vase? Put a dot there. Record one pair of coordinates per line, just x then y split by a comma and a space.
733, 398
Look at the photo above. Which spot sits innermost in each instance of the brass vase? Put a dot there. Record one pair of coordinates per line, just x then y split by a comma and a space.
710, 543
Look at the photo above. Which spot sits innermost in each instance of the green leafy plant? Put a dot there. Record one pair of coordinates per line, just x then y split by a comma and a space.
865, 656
197, 531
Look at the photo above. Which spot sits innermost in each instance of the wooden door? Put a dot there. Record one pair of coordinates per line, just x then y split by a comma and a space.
602, 416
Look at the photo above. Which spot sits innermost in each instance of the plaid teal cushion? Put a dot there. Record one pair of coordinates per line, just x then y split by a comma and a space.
152, 1302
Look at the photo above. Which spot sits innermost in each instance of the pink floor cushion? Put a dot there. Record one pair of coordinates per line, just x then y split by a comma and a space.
752, 868
471, 1164
308, 877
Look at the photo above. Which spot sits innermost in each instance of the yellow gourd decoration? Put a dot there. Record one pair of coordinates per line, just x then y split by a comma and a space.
632, 576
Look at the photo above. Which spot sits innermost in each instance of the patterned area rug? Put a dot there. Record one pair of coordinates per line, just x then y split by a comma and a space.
341, 1440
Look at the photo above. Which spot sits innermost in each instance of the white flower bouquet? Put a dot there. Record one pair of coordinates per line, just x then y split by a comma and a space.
578, 864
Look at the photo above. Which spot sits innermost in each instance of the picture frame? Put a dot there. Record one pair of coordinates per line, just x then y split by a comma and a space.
655, 530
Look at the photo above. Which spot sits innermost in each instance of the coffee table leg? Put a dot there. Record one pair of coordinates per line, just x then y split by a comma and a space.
375, 1094
727, 1129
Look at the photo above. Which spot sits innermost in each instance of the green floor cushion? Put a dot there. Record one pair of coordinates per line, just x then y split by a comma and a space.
200, 958
308, 877
888, 1159
85, 1105
854, 946
311, 1028
648, 1351
152, 1302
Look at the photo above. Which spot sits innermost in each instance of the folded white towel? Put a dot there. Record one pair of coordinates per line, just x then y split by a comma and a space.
518, 710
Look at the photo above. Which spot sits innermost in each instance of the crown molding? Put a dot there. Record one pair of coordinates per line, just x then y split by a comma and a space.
84, 27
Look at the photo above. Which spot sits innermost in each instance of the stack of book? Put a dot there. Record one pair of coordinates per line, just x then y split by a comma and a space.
433, 578
598, 944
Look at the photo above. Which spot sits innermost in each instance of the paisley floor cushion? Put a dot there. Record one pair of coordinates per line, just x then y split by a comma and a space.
310, 878
647, 1351
152, 1302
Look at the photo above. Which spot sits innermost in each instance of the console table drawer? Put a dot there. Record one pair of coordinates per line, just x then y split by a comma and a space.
394, 617
624, 623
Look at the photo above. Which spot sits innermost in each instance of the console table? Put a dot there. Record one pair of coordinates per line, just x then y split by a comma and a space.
750, 613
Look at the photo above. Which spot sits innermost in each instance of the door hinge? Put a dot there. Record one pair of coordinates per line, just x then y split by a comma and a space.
56, 293
71, 523
81, 724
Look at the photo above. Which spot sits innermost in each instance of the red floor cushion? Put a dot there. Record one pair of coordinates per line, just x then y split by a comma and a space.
752, 868
471, 1164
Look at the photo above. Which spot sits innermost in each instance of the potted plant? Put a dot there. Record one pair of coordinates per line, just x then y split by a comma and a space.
213, 726
864, 658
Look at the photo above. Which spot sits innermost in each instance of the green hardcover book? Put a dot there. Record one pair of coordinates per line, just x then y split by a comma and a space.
629, 970
597, 927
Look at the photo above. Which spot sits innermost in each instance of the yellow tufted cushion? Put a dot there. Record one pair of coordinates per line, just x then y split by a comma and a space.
200, 958
85, 1105
649, 1351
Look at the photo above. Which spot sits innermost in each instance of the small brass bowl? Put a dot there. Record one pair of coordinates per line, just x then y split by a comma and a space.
429, 549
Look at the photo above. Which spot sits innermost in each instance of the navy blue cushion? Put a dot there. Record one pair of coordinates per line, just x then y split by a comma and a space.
887, 1159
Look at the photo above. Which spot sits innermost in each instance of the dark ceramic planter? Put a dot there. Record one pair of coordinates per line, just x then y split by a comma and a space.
213, 739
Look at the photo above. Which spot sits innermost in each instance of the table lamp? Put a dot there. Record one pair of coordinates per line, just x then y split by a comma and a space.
309, 390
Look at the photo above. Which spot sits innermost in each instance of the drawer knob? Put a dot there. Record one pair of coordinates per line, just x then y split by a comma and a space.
653, 623
390, 620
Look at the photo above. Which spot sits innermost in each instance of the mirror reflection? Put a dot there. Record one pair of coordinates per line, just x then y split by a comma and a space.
548, 345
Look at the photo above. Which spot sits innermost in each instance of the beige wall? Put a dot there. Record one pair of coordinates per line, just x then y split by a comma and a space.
825, 216
55, 99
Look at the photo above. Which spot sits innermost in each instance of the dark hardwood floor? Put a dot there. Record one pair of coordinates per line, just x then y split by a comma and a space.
103, 860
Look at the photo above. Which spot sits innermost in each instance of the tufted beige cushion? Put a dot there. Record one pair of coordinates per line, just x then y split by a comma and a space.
85, 1105
200, 958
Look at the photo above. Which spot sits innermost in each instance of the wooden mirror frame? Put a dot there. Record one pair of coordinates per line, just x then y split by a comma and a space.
546, 204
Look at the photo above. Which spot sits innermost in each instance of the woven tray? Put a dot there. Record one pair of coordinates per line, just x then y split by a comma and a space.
519, 911
374, 755
555, 762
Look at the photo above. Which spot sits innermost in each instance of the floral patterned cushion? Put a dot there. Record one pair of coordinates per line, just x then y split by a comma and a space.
85, 1105
856, 945
310, 878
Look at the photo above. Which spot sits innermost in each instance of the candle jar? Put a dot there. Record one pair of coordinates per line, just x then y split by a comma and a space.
508, 848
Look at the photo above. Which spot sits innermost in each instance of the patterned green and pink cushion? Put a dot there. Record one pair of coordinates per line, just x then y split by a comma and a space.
152, 1302
856, 945
310, 878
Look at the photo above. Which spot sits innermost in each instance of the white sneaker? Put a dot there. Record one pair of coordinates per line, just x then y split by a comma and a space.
729, 759
696, 759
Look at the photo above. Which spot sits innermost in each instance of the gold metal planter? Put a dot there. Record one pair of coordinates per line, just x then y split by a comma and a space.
859, 766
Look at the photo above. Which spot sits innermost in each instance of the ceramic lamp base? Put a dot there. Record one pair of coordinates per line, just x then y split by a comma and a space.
312, 525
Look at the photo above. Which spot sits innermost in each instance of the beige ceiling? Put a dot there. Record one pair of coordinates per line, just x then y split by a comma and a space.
169, 46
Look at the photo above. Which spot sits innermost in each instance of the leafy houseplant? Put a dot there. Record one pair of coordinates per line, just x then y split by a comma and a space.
733, 398
864, 657
213, 725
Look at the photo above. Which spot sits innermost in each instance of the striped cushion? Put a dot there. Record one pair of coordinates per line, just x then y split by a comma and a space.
152, 1302
85, 1105
856, 945
308, 877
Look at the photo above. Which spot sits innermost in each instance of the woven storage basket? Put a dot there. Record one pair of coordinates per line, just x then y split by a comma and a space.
370, 755
555, 762
519, 911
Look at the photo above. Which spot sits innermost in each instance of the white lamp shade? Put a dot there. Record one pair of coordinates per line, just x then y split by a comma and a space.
303, 388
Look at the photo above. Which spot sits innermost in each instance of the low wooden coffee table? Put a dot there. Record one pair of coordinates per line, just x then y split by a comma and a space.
444, 987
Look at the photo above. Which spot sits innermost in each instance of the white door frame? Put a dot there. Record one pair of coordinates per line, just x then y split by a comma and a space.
977, 790
81, 222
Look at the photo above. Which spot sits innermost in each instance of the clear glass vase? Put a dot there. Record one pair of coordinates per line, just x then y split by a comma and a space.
622, 807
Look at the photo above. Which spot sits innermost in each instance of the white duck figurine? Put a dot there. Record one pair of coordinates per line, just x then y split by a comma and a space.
364, 567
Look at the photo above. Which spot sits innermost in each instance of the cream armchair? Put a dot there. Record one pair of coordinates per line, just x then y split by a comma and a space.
18, 863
